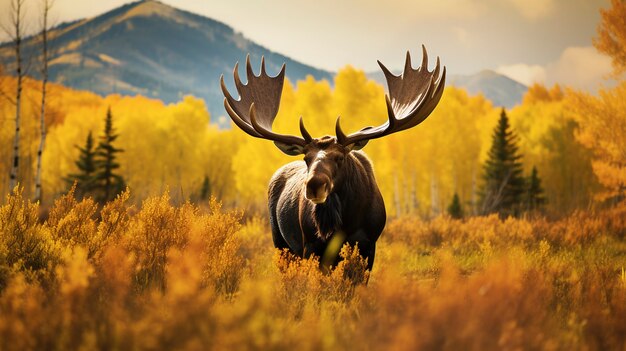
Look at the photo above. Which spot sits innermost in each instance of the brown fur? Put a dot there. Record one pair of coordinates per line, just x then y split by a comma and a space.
354, 206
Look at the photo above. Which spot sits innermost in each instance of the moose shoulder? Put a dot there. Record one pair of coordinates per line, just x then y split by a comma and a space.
331, 194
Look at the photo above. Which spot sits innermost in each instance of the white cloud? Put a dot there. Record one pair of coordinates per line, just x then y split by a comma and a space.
534, 9
523, 73
577, 67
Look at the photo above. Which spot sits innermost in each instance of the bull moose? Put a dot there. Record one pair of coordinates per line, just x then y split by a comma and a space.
332, 193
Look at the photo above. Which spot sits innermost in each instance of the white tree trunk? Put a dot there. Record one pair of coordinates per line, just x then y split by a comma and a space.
42, 117
16, 7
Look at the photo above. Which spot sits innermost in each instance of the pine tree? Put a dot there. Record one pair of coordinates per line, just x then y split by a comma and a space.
108, 183
205, 192
84, 179
455, 210
504, 184
534, 192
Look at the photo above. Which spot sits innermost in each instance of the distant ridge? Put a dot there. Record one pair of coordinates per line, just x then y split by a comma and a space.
499, 89
155, 50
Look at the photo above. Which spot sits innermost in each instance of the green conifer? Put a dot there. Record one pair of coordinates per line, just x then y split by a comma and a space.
534, 192
455, 210
86, 163
205, 192
504, 185
108, 182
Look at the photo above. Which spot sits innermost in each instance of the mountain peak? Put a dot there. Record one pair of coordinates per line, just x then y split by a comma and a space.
147, 8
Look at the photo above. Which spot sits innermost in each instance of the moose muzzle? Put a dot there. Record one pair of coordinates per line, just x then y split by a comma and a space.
317, 188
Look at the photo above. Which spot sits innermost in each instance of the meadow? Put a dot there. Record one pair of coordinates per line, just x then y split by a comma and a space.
169, 275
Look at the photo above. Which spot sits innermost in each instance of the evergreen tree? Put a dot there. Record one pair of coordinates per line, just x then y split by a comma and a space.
504, 186
205, 192
108, 183
86, 164
534, 192
455, 210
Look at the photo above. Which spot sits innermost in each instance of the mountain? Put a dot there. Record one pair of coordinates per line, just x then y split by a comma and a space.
155, 50
500, 89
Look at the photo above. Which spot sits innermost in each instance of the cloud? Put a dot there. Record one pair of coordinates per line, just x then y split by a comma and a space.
523, 73
577, 67
580, 67
534, 9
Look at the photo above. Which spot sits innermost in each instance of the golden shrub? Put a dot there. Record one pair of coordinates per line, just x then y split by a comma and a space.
183, 277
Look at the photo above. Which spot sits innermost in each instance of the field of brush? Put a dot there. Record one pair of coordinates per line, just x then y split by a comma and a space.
183, 277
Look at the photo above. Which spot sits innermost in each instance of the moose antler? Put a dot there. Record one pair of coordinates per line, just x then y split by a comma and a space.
258, 104
412, 97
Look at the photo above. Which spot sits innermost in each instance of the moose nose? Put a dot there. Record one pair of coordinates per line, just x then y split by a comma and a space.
317, 189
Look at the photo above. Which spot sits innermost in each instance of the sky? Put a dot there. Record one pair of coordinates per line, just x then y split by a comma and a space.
544, 41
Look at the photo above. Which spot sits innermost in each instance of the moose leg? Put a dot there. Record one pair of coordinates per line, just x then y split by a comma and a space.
367, 247
370, 257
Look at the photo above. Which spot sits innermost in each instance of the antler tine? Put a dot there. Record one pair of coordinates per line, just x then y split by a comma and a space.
268, 134
386, 71
259, 99
424, 65
407, 63
263, 72
304, 132
240, 122
390, 114
238, 84
437, 67
249, 71
436, 96
412, 97
225, 91
341, 136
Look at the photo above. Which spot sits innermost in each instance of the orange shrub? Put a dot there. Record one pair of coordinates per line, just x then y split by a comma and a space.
183, 277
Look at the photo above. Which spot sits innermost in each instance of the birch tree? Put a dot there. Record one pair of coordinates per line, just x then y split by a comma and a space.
47, 5
15, 30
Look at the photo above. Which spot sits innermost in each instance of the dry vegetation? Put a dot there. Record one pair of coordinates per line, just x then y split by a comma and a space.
161, 276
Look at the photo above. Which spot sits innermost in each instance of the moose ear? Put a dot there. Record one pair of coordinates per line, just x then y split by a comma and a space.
358, 145
290, 149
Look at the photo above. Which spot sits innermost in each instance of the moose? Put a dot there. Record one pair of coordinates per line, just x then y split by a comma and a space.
332, 194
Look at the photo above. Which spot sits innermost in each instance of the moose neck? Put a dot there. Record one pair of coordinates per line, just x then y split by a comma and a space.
335, 213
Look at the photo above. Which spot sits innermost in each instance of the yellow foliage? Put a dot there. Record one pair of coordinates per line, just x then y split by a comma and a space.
547, 141
611, 38
418, 171
603, 129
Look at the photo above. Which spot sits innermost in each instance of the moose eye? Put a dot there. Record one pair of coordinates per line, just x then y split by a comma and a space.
339, 158
307, 160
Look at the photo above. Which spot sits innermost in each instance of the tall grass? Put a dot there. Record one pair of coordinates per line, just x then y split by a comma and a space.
186, 277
